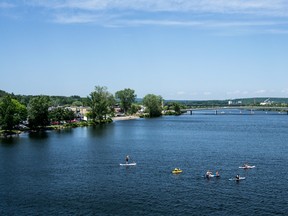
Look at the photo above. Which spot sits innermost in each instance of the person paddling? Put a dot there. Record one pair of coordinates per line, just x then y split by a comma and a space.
127, 159
208, 174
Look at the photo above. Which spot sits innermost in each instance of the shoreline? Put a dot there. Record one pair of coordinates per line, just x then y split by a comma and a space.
121, 118
12, 133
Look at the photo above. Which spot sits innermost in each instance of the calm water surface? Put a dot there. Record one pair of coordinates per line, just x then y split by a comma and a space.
77, 172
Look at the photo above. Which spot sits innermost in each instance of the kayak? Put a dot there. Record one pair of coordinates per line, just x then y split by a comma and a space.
128, 164
247, 167
177, 171
236, 179
211, 176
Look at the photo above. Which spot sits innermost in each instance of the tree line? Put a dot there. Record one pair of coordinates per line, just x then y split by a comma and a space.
39, 111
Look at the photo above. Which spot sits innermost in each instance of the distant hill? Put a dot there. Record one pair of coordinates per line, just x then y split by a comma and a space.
3, 93
235, 102
257, 101
55, 100
63, 100
200, 102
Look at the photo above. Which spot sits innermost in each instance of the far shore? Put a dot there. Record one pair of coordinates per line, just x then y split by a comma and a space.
120, 118
4, 133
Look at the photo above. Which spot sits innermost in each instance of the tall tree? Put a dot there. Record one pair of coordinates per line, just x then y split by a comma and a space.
101, 103
134, 108
61, 114
38, 114
153, 104
3, 93
77, 103
177, 108
126, 97
69, 115
11, 113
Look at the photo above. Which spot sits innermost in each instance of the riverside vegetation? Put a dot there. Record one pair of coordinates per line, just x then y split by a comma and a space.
32, 113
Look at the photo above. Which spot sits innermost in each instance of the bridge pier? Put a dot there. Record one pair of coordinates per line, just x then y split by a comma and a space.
192, 112
216, 113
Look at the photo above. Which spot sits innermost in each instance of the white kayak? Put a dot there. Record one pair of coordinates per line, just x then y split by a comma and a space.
128, 164
237, 179
247, 167
211, 176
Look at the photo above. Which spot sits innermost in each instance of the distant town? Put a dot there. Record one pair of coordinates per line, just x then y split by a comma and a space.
36, 112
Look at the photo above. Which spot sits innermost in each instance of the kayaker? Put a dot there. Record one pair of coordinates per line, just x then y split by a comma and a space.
217, 174
208, 173
127, 159
238, 176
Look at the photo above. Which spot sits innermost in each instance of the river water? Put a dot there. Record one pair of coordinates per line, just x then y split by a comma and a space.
77, 172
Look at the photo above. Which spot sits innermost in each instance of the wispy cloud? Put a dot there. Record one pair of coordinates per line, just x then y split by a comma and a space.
261, 91
77, 18
201, 23
277, 31
237, 93
181, 93
272, 15
207, 93
275, 7
5, 5
285, 91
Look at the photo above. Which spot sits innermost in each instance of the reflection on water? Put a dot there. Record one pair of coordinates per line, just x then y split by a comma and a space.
38, 135
77, 171
9, 141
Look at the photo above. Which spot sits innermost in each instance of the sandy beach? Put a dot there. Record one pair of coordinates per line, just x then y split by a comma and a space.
120, 118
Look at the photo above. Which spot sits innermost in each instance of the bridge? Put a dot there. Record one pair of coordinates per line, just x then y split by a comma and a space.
250, 109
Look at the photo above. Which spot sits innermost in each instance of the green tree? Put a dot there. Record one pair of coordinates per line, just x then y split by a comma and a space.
69, 115
85, 101
11, 113
38, 114
61, 114
3, 93
153, 104
126, 97
101, 103
177, 108
134, 108
77, 103
56, 114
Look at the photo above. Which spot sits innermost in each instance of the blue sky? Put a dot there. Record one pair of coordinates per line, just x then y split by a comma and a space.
179, 49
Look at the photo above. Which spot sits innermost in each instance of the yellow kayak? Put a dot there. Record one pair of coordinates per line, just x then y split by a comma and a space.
176, 171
